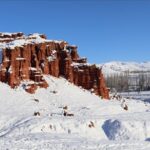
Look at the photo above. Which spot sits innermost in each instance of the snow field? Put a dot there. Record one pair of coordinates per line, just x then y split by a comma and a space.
96, 124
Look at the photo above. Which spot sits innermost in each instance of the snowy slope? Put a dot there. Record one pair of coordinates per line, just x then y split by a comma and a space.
113, 127
119, 67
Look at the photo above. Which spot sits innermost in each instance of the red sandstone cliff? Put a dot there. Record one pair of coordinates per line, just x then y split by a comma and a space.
29, 57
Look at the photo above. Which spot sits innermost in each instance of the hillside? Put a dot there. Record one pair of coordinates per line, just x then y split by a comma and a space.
96, 124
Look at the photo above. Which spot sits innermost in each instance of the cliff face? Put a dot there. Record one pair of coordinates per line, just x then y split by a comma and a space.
27, 58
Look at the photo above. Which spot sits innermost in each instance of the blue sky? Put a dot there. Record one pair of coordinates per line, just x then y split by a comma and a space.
104, 30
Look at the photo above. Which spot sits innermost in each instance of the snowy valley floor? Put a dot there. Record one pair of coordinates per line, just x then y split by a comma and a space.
96, 124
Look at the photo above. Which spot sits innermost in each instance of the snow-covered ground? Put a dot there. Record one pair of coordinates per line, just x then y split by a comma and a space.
96, 124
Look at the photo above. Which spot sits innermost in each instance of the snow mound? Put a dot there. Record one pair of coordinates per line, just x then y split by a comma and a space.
126, 130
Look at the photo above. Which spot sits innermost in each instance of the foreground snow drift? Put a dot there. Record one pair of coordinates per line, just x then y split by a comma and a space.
95, 124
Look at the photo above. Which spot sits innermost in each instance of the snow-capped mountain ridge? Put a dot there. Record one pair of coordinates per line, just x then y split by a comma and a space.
115, 67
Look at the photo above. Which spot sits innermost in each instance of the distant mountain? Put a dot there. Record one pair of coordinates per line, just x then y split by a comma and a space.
117, 67
127, 76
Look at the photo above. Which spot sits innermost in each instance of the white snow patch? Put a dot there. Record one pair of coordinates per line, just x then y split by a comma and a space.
33, 38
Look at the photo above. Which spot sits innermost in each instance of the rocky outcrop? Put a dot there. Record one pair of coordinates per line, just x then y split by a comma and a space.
27, 58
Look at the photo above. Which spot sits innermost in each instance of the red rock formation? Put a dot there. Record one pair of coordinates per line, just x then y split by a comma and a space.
29, 57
